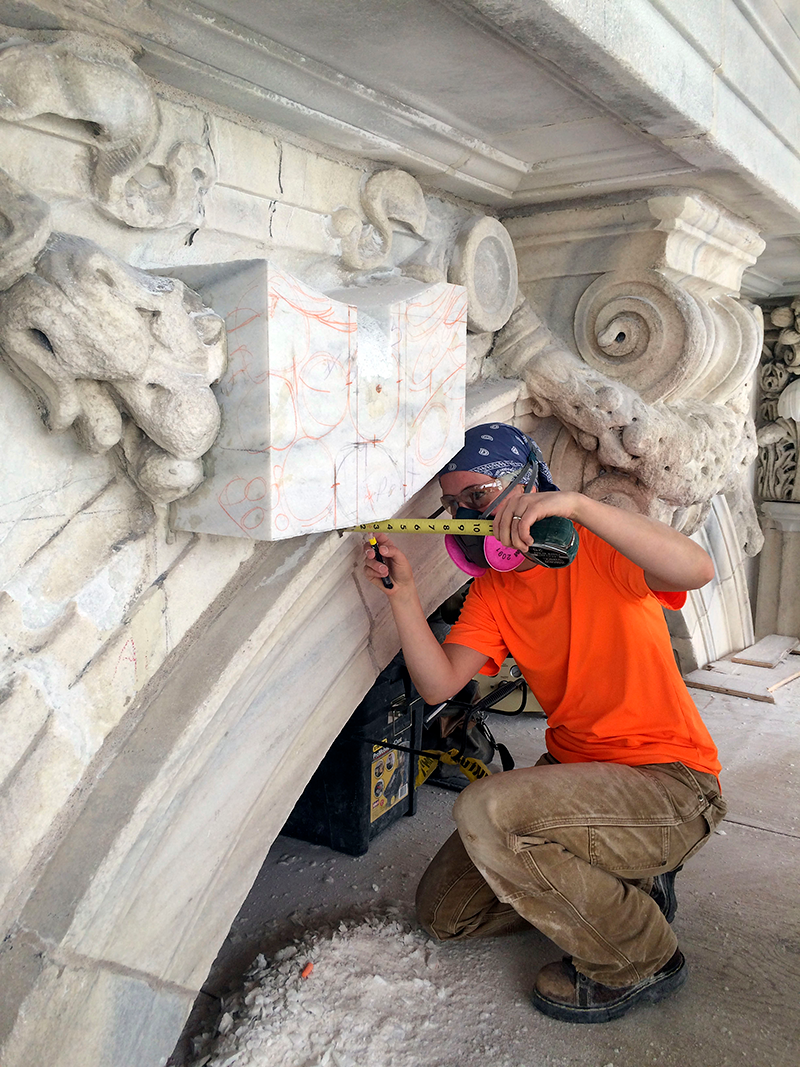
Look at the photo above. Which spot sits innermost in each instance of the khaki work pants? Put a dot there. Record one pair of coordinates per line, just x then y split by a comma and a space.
571, 848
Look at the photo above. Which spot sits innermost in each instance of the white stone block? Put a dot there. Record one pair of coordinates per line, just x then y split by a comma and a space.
247, 158
335, 409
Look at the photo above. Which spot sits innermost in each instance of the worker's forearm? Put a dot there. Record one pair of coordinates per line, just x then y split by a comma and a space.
668, 558
431, 670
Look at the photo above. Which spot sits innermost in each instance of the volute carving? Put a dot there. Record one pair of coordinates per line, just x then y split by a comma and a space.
664, 341
666, 459
102, 345
95, 81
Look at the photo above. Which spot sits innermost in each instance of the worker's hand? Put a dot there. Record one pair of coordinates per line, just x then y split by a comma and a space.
519, 511
395, 565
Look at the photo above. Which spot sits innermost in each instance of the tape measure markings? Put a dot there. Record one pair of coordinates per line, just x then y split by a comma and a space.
478, 527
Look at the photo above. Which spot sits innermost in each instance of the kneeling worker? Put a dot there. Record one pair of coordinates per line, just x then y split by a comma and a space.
585, 844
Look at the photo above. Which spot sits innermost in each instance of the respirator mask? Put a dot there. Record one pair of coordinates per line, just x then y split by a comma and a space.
555, 539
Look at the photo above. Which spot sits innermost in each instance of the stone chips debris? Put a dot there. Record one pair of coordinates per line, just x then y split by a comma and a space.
372, 998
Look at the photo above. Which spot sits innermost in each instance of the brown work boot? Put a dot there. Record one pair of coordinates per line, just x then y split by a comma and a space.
564, 993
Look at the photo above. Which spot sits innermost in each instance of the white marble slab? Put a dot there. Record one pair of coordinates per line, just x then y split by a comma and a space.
336, 408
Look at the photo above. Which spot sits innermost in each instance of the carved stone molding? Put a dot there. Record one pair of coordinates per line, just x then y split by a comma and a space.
778, 415
101, 344
93, 80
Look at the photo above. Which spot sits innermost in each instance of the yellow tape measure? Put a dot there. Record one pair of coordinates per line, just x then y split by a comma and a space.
479, 527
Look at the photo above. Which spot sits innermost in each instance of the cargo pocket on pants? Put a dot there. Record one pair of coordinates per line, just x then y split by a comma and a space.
629, 851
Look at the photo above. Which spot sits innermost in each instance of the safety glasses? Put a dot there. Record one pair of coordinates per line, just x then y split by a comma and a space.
475, 497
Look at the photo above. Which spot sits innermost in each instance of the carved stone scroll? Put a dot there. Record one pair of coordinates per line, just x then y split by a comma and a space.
388, 197
655, 389
668, 461
665, 341
99, 343
94, 80
485, 263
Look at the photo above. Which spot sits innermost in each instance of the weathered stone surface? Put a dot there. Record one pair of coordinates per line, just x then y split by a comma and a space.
24, 228
95, 81
111, 1016
89, 335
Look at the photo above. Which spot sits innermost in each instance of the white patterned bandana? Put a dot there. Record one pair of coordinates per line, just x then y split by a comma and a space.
495, 449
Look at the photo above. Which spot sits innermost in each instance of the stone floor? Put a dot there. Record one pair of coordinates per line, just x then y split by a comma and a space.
738, 920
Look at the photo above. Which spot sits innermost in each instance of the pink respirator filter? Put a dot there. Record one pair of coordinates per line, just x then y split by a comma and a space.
497, 555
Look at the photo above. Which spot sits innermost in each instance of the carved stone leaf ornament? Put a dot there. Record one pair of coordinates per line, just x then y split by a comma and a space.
779, 407
94, 80
99, 343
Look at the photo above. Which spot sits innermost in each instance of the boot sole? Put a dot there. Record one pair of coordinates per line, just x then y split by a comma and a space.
658, 988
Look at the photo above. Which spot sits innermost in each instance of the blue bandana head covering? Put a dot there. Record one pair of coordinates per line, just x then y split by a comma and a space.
495, 449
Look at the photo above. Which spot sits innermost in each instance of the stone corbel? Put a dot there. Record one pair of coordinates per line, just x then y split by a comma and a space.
656, 392
94, 80
102, 346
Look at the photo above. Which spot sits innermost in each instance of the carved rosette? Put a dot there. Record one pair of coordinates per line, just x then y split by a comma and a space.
778, 417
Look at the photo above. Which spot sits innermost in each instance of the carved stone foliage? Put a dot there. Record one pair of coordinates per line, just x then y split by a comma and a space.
778, 416
666, 459
94, 80
125, 358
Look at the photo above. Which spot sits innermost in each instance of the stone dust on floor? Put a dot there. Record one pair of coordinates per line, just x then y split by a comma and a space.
381, 994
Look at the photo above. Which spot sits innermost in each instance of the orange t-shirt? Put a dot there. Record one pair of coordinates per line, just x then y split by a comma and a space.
592, 643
